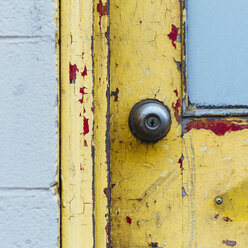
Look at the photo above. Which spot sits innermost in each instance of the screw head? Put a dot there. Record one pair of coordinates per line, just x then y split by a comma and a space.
218, 200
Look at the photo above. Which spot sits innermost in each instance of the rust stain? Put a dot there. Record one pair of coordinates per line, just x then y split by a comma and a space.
219, 127
84, 73
229, 243
82, 91
129, 220
73, 73
86, 126
173, 35
102, 10
176, 106
115, 94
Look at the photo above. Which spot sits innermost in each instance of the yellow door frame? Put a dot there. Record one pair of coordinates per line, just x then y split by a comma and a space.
84, 122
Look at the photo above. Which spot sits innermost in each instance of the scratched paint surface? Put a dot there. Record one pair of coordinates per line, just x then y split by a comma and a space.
215, 165
146, 180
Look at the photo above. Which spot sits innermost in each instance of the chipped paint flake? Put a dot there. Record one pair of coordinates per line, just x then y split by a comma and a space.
229, 243
84, 73
115, 94
173, 35
227, 219
73, 73
86, 126
102, 10
176, 107
82, 91
128, 220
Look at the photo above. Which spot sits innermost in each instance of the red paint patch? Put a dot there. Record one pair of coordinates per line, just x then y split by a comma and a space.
180, 161
105, 191
85, 143
219, 127
73, 73
82, 91
227, 219
86, 126
176, 92
173, 35
84, 73
176, 107
229, 243
102, 10
115, 94
129, 220
216, 216
92, 109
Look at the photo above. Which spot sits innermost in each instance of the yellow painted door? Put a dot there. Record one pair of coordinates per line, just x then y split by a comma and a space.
188, 190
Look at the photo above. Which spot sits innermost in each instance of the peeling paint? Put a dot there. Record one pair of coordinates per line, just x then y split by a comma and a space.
219, 127
86, 126
73, 73
216, 216
227, 219
115, 94
176, 106
82, 91
180, 161
229, 243
128, 220
173, 35
84, 73
102, 10
184, 192
154, 244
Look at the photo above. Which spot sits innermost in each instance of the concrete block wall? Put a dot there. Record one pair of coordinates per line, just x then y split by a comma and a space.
28, 113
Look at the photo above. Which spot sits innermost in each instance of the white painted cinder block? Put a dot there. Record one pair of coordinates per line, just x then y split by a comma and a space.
28, 219
28, 114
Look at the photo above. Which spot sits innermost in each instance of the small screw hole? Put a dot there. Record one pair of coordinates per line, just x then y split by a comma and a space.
218, 200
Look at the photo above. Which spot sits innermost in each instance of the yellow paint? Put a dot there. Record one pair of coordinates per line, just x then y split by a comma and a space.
76, 159
101, 87
146, 179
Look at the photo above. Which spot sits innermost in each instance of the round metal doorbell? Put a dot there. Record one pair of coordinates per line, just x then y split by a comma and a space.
150, 120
